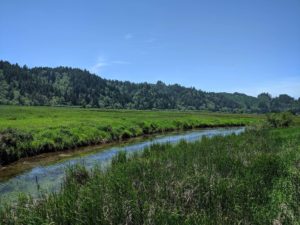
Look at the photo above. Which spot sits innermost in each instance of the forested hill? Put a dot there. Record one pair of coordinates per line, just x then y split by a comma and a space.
76, 87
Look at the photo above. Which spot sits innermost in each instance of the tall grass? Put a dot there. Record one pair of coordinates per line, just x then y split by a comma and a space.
248, 179
27, 131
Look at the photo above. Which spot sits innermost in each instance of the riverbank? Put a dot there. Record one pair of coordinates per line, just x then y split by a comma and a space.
29, 131
48, 169
212, 181
52, 158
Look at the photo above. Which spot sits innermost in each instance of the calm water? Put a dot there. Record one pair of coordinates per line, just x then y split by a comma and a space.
49, 177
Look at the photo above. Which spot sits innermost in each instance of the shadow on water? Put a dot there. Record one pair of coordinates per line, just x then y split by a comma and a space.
46, 172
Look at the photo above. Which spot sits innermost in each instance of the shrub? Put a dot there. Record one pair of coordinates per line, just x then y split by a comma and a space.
276, 120
12, 142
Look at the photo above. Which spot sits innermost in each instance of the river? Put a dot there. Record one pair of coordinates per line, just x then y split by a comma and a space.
47, 171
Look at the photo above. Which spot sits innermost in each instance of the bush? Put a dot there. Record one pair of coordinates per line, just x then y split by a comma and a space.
277, 120
12, 142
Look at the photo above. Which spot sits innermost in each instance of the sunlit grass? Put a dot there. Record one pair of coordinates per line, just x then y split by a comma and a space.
32, 130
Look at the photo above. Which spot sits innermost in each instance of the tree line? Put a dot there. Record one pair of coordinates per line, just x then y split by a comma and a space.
20, 85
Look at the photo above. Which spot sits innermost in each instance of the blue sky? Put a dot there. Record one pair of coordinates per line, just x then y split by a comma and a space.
213, 45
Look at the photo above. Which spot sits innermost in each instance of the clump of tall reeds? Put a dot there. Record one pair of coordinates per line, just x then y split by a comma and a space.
248, 179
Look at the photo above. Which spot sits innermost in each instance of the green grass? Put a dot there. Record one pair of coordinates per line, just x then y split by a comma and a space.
27, 131
248, 179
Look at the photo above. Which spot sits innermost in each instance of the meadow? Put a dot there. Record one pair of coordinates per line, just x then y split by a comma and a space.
27, 131
252, 178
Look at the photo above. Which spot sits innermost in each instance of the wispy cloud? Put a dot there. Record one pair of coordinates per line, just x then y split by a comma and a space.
128, 36
102, 62
97, 67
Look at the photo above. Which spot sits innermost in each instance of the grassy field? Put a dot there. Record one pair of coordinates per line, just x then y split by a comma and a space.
27, 131
248, 179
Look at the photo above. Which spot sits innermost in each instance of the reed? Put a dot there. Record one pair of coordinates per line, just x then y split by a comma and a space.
252, 178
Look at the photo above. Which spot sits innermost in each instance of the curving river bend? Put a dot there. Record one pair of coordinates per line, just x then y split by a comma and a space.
47, 171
